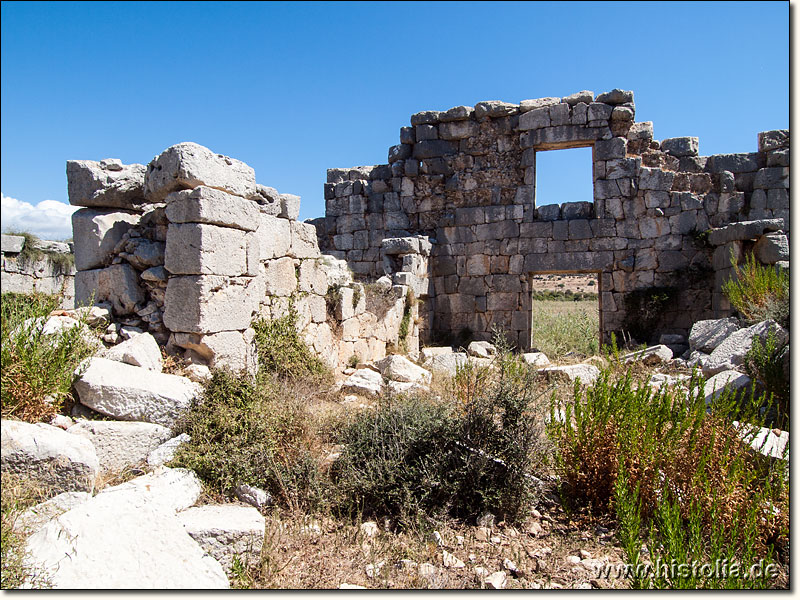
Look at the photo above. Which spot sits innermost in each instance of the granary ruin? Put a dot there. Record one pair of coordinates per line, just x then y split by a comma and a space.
442, 241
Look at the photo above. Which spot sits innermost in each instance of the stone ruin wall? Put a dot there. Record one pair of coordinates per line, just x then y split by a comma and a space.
465, 179
192, 250
39, 270
442, 240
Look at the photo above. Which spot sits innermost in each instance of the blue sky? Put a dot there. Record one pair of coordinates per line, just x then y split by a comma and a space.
295, 88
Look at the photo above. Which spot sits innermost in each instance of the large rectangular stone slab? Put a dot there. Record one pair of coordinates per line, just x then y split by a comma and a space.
105, 184
188, 165
211, 303
199, 249
274, 237
215, 207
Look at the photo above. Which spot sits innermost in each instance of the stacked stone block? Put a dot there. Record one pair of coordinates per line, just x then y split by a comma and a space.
465, 178
42, 274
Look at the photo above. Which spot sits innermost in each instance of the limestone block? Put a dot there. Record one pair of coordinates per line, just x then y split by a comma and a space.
225, 531
364, 382
769, 442
655, 179
97, 233
280, 277
535, 118
528, 105
188, 165
165, 489
131, 393
233, 350
118, 285
140, 351
336, 270
121, 444
457, 113
166, 451
200, 249
212, 303
494, 108
577, 210
61, 461
773, 140
313, 278
481, 349
641, 131
399, 368
290, 207
651, 355
772, 248
117, 541
616, 96
447, 363
549, 212
274, 237
732, 351
303, 240
728, 379
214, 207
744, 230
681, 146
457, 130
734, 163
105, 185
36, 517
586, 373
537, 359
268, 200
772, 177
584, 96
12, 243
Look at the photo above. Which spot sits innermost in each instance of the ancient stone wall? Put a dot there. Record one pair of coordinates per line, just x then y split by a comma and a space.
193, 250
46, 268
465, 180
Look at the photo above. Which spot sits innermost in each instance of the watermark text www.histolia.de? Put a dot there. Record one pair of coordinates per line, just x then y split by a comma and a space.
719, 569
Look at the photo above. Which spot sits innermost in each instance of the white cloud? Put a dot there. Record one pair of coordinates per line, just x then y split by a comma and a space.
49, 220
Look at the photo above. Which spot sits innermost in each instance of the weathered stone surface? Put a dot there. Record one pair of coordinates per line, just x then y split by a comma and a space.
584, 96
253, 496
200, 249
119, 444
94, 184
494, 108
744, 230
140, 351
537, 359
12, 243
365, 382
233, 350
122, 539
772, 248
735, 381
705, 336
304, 240
681, 146
225, 531
732, 351
313, 278
214, 207
651, 355
431, 351
481, 349
166, 451
168, 490
528, 105
615, 96
36, 517
98, 232
399, 368
61, 461
274, 237
211, 303
117, 285
131, 393
188, 165
586, 373
447, 363
280, 277
290, 207
769, 442
773, 140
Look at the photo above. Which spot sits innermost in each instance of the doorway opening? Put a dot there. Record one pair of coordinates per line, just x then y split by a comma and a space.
565, 314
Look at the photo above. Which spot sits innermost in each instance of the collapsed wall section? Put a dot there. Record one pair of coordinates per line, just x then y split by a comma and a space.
465, 178
193, 250
32, 265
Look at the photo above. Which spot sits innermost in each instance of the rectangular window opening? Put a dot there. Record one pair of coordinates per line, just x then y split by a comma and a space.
564, 177
565, 314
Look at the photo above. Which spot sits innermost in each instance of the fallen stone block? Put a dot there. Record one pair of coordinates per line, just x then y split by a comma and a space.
705, 336
36, 517
430, 352
253, 496
537, 359
735, 381
140, 351
62, 462
448, 364
226, 531
121, 444
364, 382
105, 184
769, 442
399, 368
586, 373
481, 349
732, 352
213, 207
131, 393
188, 165
117, 540
166, 451
652, 355
168, 490
230, 349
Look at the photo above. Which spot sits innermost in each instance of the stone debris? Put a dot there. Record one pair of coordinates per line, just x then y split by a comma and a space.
364, 382
36, 517
451, 561
706, 335
121, 444
731, 353
586, 373
132, 393
166, 451
253, 496
496, 581
225, 531
651, 355
139, 351
369, 529
481, 349
63, 462
536, 359
399, 368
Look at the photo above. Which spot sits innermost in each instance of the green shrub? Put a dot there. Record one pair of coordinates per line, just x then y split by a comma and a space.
35, 366
658, 459
413, 456
759, 292
18, 495
281, 350
767, 362
247, 433
556, 332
